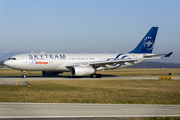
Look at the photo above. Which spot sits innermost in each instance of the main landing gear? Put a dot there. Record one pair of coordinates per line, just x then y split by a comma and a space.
95, 76
23, 74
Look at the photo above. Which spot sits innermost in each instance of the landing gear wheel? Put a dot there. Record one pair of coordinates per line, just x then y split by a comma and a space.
95, 76
23, 76
99, 75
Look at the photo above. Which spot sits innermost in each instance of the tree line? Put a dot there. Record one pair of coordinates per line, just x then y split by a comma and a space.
1, 63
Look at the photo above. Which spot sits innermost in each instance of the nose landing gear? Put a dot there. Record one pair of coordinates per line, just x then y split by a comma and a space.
23, 74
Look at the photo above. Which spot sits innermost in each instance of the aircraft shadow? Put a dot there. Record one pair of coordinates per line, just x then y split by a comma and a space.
55, 76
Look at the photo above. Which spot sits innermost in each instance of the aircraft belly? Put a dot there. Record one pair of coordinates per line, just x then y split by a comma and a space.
61, 68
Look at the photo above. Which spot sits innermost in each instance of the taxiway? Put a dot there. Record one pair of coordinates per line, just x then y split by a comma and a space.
72, 110
18, 80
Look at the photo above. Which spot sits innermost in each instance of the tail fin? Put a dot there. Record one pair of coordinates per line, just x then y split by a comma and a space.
147, 43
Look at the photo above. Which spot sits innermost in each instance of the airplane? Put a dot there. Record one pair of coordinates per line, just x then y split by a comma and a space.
81, 64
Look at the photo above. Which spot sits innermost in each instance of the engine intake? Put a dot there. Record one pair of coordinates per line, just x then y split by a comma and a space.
82, 70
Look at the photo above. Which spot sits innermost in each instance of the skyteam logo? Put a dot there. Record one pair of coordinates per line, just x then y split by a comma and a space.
148, 43
119, 57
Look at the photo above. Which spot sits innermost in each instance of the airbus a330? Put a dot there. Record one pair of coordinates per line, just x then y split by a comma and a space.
85, 64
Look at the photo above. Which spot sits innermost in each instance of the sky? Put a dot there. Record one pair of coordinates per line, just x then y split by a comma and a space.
88, 26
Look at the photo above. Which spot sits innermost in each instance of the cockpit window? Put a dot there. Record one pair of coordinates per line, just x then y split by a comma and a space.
11, 58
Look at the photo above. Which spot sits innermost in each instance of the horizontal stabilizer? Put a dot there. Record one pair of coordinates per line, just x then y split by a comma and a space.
169, 54
153, 55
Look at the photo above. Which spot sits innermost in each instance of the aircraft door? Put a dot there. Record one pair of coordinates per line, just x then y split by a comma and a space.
100, 58
24, 59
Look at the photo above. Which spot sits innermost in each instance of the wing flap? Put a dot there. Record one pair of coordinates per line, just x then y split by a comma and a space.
101, 63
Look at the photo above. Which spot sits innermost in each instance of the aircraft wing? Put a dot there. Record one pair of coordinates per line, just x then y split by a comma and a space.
122, 61
101, 63
119, 61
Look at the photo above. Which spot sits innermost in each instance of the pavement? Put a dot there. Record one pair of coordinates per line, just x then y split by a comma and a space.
18, 80
73, 110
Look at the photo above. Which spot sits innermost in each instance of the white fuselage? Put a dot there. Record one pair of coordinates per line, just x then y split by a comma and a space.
60, 61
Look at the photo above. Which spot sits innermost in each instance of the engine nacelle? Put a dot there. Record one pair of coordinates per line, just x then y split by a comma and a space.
47, 73
82, 70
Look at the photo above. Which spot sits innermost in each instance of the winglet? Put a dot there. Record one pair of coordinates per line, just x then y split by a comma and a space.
169, 54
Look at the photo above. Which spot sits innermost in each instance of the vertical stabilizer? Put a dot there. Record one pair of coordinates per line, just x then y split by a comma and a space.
147, 43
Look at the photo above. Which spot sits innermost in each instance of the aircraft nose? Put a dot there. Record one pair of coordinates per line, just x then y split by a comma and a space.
6, 63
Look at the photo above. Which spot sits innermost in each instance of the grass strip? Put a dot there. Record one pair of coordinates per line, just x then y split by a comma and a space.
95, 91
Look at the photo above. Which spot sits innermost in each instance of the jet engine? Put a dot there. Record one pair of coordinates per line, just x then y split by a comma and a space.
82, 70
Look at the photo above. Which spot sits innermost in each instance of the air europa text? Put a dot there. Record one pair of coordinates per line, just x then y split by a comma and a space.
47, 56
41, 62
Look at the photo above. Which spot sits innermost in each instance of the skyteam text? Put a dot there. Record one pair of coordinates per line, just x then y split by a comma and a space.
47, 56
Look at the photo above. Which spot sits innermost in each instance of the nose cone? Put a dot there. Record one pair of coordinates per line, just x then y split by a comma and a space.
9, 63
